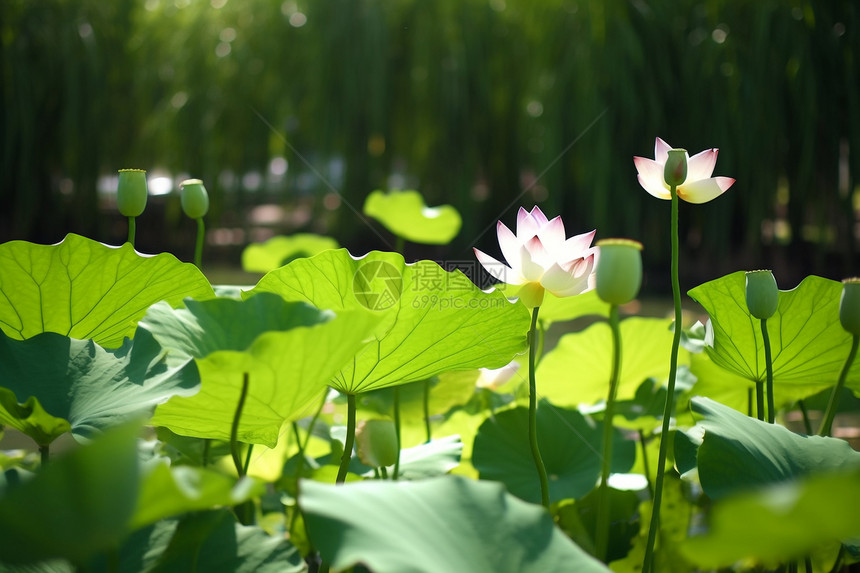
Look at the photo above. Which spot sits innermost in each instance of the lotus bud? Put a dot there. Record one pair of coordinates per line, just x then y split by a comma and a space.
849, 306
131, 192
195, 200
675, 170
376, 442
619, 270
762, 294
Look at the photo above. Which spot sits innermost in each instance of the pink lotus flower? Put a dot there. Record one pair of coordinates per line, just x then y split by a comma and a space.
541, 259
699, 186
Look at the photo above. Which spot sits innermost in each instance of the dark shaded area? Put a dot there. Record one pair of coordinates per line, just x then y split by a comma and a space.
484, 104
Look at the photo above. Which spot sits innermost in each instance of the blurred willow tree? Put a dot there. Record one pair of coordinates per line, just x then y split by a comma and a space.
471, 101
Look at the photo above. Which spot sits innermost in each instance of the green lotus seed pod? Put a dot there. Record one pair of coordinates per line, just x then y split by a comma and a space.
675, 170
195, 200
376, 442
619, 270
762, 294
131, 192
849, 306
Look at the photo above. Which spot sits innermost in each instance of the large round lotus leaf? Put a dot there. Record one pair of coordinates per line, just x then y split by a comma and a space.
280, 250
76, 506
430, 320
738, 453
289, 351
808, 344
571, 446
405, 214
436, 525
51, 384
84, 289
577, 370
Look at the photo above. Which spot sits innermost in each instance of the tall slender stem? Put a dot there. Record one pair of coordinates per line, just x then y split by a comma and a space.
645, 468
314, 421
234, 430
350, 439
830, 412
44, 453
759, 400
131, 229
771, 410
807, 425
198, 247
670, 394
248, 458
397, 432
427, 412
533, 442
606, 466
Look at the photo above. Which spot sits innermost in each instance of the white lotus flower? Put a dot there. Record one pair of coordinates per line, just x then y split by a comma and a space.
541, 259
698, 187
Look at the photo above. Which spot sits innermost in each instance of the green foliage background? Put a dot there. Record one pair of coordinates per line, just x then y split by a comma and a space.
470, 99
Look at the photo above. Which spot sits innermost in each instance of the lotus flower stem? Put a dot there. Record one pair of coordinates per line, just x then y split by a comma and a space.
207, 444
44, 453
350, 439
131, 230
645, 467
759, 400
427, 411
670, 391
248, 458
807, 425
830, 412
198, 247
397, 431
234, 430
608, 414
771, 410
533, 442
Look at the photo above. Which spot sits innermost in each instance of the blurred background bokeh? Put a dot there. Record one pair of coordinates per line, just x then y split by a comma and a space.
292, 111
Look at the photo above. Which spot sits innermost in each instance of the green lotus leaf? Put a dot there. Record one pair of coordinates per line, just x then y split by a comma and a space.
77, 506
52, 384
430, 320
203, 541
87, 290
432, 459
446, 524
737, 453
571, 446
289, 351
280, 250
808, 344
168, 492
405, 214
555, 309
780, 523
577, 370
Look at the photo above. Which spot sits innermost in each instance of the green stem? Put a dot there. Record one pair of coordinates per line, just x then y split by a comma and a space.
314, 421
384, 472
397, 431
206, 446
198, 248
350, 439
771, 410
131, 230
807, 562
399, 243
830, 413
807, 424
759, 400
670, 393
608, 415
533, 442
44, 452
234, 430
427, 411
645, 467
248, 458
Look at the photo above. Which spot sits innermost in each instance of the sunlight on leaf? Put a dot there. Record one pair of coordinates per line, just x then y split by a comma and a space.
278, 251
405, 214
430, 320
84, 289
447, 524
808, 343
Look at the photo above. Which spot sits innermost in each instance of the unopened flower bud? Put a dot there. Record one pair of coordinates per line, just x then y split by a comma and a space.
762, 294
675, 170
131, 192
849, 306
195, 200
376, 442
619, 270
